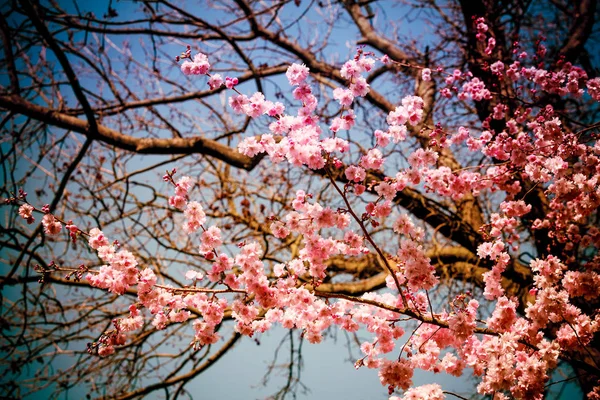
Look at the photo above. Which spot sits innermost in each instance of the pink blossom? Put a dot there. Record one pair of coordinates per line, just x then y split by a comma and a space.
493, 286
250, 147
426, 74
398, 133
345, 122
299, 203
426, 392
499, 110
386, 190
504, 315
354, 173
186, 67
106, 252
359, 87
147, 280
515, 208
200, 64
422, 158
383, 138
461, 136
183, 185
276, 109
490, 46
195, 216
344, 96
97, 238
192, 275
297, 74
211, 239
582, 284
51, 225
366, 64
398, 117
418, 270
215, 81
160, 321
230, 82
382, 210
350, 70
25, 211
279, 230
119, 275
397, 374
106, 350
177, 202
256, 105
497, 67
481, 25
238, 103
476, 89
303, 93
133, 322
593, 86
372, 160
489, 249
462, 322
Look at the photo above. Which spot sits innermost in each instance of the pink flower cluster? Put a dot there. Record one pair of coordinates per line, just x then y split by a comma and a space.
198, 66
426, 392
410, 111
119, 275
297, 74
195, 216
179, 200
52, 226
462, 321
510, 353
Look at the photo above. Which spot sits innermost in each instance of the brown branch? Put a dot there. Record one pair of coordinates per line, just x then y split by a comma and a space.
107, 135
10, 58
32, 10
580, 31
118, 108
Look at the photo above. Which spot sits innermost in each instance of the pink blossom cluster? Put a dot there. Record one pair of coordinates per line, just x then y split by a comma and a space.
426, 74
531, 368
52, 226
417, 268
410, 111
504, 362
297, 74
462, 321
568, 80
593, 86
199, 65
509, 352
451, 343
476, 90
179, 200
119, 274
552, 303
426, 392
195, 218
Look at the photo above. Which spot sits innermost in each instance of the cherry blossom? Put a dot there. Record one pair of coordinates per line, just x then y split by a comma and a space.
511, 352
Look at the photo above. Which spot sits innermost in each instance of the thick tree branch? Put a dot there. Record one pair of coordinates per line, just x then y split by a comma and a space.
107, 135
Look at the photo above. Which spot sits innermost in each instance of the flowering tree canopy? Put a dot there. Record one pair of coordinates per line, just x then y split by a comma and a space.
433, 186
